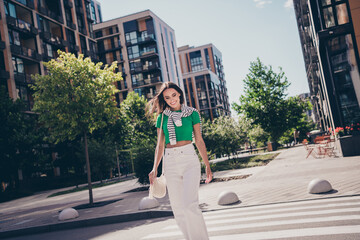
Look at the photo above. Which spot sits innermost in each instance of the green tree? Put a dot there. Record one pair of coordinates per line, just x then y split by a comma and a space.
264, 101
141, 134
75, 99
298, 121
12, 126
225, 130
22, 148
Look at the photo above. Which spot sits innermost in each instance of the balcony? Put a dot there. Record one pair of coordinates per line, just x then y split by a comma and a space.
4, 75
103, 51
137, 69
147, 81
53, 39
21, 25
51, 14
147, 68
25, 52
149, 53
148, 38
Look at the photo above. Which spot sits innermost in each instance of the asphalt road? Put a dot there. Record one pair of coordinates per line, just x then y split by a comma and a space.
330, 219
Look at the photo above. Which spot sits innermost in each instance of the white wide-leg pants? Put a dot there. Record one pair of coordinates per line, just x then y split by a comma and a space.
182, 172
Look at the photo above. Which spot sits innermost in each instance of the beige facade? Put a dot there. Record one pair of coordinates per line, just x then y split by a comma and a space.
145, 48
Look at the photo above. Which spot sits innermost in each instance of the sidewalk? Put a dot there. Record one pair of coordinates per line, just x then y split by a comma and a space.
284, 179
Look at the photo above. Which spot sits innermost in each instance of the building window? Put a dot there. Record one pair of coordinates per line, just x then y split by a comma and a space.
345, 73
334, 12
131, 37
14, 38
99, 13
10, 9
133, 52
18, 65
196, 61
92, 9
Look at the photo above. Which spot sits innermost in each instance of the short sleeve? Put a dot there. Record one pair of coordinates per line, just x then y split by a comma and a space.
195, 117
158, 121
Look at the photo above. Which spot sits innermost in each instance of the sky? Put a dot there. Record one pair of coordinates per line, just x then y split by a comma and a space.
242, 30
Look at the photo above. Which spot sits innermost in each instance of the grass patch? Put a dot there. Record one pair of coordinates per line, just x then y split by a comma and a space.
78, 189
244, 162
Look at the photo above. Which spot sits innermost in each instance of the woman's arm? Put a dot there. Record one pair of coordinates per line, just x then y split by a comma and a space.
159, 151
200, 144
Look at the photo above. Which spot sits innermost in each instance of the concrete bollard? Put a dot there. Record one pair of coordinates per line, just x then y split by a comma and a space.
147, 203
68, 213
227, 197
319, 186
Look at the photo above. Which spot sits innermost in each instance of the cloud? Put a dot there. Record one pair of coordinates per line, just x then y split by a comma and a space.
261, 3
289, 4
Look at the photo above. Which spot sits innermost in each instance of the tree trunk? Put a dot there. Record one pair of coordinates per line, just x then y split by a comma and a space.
117, 161
91, 201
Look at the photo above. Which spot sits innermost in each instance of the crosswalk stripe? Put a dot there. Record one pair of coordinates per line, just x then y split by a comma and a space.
248, 217
264, 224
247, 213
321, 202
304, 232
297, 219
295, 214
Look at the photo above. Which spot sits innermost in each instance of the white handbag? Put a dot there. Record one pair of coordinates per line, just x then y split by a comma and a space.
158, 188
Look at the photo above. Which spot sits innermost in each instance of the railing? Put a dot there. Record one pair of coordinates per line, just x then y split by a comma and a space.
21, 24
149, 52
147, 81
26, 52
149, 37
53, 39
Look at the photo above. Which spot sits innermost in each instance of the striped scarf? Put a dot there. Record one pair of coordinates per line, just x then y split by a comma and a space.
175, 117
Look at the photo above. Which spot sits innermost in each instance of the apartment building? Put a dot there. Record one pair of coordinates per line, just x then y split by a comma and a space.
204, 80
330, 38
33, 30
144, 47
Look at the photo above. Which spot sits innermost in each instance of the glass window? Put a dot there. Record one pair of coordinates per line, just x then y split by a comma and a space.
196, 61
131, 37
329, 17
18, 65
10, 9
345, 73
16, 38
342, 15
326, 2
49, 50
133, 52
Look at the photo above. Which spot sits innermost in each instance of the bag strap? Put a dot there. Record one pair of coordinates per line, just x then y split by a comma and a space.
161, 129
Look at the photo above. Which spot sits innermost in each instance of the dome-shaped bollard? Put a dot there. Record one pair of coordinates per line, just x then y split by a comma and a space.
147, 203
227, 197
319, 186
68, 213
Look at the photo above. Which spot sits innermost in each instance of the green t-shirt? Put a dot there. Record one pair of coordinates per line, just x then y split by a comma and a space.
184, 132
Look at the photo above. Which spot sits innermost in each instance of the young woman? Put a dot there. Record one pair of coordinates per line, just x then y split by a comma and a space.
181, 164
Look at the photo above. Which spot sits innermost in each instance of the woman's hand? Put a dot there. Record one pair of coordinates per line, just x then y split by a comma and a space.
209, 176
152, 176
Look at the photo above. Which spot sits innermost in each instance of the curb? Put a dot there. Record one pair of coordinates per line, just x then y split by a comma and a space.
86, 223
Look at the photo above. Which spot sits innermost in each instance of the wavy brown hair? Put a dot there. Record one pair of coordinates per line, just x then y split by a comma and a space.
158, 104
